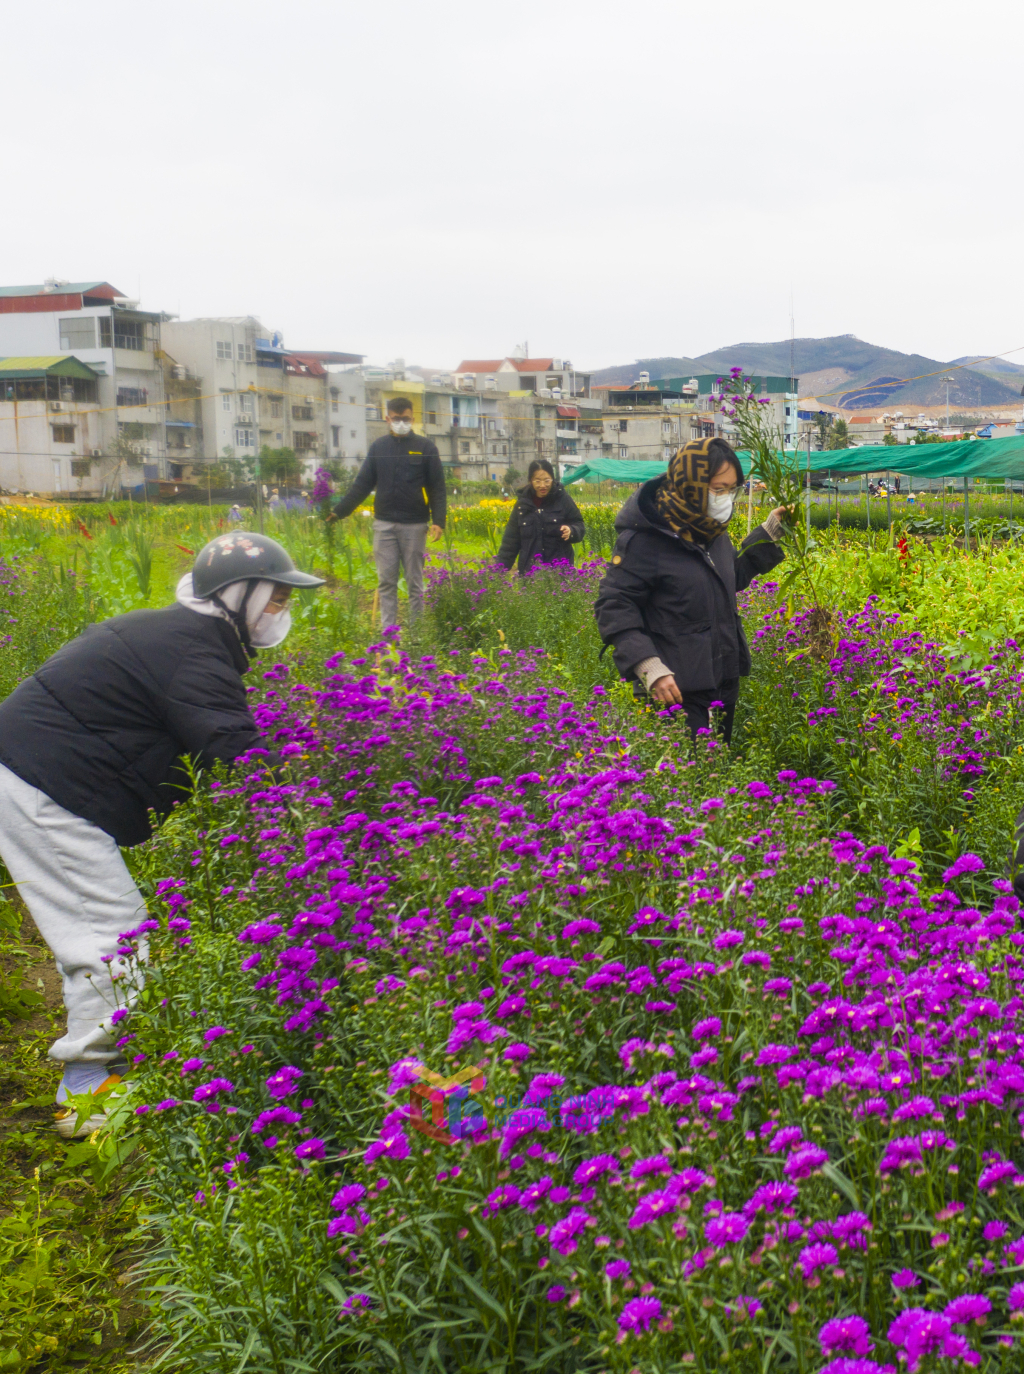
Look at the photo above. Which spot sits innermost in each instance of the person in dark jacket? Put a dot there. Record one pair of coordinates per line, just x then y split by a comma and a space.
94, 740
404, 470
544, 524
667, 604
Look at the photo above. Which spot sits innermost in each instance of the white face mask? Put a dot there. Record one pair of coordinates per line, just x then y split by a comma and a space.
270, 630
400, 428
720, 506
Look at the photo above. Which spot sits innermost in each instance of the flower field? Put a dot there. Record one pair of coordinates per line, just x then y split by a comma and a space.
501, 1029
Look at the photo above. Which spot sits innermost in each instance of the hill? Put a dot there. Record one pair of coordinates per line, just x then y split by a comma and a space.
843, 370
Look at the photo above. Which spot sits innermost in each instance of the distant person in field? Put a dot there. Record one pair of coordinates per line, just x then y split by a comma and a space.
667, 604
94, 741
544, 524
404, 471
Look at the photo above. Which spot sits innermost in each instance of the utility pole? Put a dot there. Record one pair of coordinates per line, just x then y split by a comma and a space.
947, 380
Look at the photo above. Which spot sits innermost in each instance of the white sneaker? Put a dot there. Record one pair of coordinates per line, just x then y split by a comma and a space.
66, 1118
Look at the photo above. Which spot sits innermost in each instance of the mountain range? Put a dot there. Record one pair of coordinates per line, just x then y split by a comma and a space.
844, 371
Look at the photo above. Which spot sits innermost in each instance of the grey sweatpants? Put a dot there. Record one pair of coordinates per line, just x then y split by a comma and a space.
71, 876
399, 546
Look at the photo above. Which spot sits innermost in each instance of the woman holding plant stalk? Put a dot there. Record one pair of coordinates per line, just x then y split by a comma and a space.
544, 524
667, 604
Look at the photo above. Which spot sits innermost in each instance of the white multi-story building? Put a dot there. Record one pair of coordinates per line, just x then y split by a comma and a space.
547, 377
256, 393
119, 343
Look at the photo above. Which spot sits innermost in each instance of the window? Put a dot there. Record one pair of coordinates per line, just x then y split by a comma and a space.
247, 403
132, 396
129, 334
623, 451
463, 446
245, 438
623, 426
244, 353
303, 441
504, 448
431, 417
302, 412
224, 350
225, 400
334, 407
78, 333
80, 467
353, 433
63, 434
352, 400
275, 410
336, 434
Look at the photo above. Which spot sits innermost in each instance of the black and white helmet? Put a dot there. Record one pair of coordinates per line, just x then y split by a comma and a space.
241, 557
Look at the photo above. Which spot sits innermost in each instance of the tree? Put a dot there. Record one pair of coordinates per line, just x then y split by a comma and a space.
280, 465
840, 436
890, 440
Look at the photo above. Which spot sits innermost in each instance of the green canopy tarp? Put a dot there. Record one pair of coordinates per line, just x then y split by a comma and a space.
991, 459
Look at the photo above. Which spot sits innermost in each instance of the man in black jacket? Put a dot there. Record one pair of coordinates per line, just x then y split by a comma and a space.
404, 470
92, 742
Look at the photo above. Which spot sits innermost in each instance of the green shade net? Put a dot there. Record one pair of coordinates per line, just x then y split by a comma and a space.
991, 459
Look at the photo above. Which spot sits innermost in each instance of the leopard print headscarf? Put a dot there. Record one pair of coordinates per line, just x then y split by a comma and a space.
682, 496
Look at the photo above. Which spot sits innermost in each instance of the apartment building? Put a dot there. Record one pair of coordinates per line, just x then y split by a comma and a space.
779, 392
255, 392
97, 325
49, 414
479, 434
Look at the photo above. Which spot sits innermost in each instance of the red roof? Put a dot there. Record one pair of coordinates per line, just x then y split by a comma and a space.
492, 364
862, 420
471, 365
303, 365
569, 412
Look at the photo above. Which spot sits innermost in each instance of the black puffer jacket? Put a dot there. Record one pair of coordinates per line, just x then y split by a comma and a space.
407, 478
100, 726
533, 532
665, 597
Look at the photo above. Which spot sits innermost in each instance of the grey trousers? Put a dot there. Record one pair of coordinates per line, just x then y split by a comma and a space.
399, 547
72, 878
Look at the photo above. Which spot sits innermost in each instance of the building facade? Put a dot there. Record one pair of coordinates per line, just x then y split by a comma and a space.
255, 393
49, 415
96, 324
547, 377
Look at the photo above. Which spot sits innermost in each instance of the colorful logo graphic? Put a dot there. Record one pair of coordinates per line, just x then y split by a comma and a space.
448, 1120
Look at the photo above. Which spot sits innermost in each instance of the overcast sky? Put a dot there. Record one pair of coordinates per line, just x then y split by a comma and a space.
603, 180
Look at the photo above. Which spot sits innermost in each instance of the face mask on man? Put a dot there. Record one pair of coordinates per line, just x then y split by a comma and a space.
400, 428
720, 505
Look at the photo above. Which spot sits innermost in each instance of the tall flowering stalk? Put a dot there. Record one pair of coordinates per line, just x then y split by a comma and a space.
758, 433
320, 499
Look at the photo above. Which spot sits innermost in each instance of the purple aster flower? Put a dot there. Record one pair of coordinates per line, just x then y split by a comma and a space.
310, 1149
517, 1053
191, 1065
404, 1073
217, 1087
346, 1197
815, 1257
215, 1033
275, 1116
850, 1334
728, 1229
653, 1164
804, 1162
284, 1081
708, 1029
1015, 1298
619, 1269
563, 1233
989, 1179
593, 1168
969, 1307
995, 1230
967, 863
555, 1293
639, 1314
773, 1197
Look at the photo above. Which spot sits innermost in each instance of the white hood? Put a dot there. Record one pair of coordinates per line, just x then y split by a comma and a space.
265, 631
